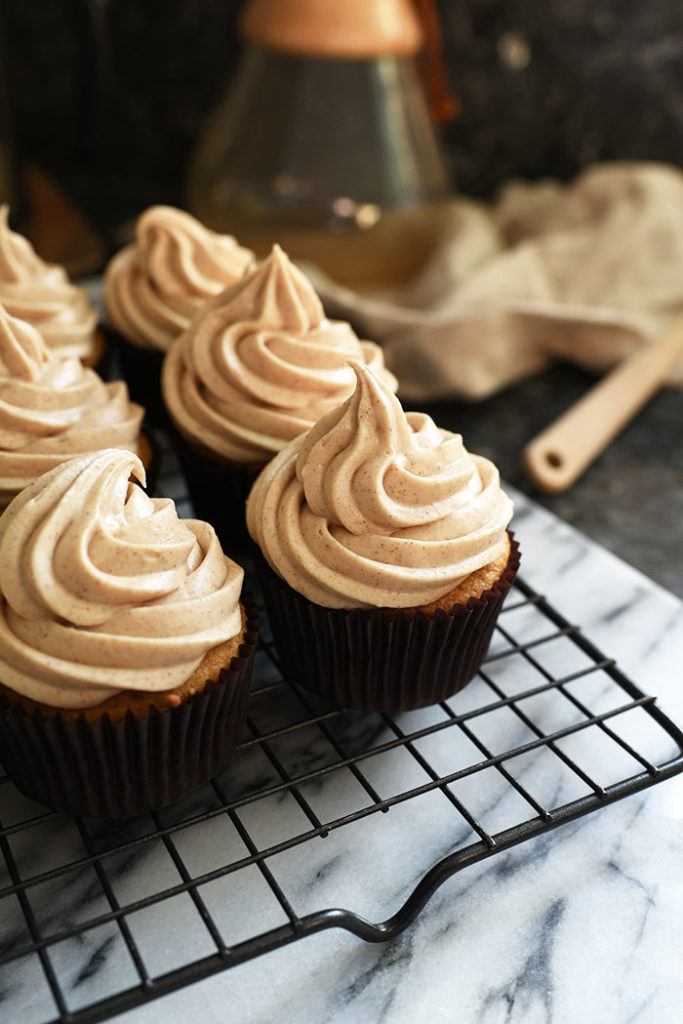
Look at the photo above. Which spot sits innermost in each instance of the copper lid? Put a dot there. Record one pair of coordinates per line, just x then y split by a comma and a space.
334, 28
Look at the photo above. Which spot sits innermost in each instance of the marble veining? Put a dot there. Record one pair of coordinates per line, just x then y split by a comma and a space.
581, 923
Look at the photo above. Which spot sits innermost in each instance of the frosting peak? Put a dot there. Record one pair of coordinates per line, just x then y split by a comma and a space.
42, 294
377, 507
276, 295
52, 408
18, 259
154, 286
104, 589
185, 258
23, 353
367, 468
260, 364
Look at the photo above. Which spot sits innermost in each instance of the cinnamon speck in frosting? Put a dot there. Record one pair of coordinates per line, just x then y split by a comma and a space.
375, 507
154, 286
260, 364
53, 408
42, 294
103, 589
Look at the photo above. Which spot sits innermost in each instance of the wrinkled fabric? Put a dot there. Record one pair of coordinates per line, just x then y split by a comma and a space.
585, 272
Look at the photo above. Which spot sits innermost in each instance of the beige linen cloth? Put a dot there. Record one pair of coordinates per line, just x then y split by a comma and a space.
583, 272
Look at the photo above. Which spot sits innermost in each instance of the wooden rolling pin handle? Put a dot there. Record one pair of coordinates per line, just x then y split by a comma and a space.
567, 447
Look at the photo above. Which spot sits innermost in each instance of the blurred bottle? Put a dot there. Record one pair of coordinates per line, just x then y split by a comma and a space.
324, 142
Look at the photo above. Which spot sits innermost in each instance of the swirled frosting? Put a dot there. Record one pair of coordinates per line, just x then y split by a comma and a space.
42, 294
375, 507
153, 287
52, 408
260, 364
103, 589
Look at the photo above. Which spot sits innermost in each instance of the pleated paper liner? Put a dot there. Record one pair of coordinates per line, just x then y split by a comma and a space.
382, 659
117, 769
219, 490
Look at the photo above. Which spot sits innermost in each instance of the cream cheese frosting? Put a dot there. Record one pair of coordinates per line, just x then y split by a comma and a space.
260, 364
52, 408
375, 507
42, 294
153, 287
103, 589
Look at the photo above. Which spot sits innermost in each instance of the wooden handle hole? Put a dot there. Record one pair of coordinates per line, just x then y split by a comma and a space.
554, 460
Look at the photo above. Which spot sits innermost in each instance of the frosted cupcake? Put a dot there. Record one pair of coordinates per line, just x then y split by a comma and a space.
124, 649
257, 367
387, 554
42, 294
53, 408
153, 288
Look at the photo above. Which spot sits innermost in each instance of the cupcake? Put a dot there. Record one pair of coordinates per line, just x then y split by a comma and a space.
53, 408
258, 365
124, 649
386, 554
42, 294
153, 288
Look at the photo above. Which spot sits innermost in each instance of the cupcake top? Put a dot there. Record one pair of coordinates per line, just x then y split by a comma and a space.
52, 408
375, 507
42, 294
103, 589
153, 287
260, 364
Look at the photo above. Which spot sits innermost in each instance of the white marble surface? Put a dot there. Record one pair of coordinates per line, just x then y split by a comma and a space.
582, 924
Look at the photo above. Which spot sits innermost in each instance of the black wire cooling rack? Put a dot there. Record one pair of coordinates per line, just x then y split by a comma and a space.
549, 731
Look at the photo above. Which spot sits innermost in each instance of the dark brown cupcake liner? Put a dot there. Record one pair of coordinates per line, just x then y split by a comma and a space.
117, 769
219, 490
141, 369
382, 659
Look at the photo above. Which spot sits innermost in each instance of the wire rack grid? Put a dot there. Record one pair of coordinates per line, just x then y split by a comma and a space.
549, 731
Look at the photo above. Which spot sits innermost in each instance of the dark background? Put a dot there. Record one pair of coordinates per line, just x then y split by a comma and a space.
108, 99
109, 95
